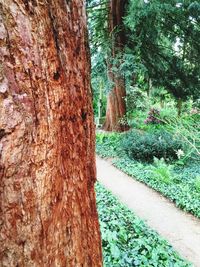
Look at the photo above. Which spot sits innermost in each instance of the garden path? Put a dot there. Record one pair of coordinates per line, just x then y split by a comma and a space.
182, 230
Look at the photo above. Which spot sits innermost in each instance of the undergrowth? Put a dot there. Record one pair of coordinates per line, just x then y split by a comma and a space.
127, 241
108, 144
177, 181
178, 185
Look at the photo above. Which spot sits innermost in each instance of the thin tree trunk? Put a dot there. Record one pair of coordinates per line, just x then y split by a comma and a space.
47, 166
179, 106
149, 89
116, 104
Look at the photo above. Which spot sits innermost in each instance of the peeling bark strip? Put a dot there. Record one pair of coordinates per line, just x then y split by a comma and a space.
47, 166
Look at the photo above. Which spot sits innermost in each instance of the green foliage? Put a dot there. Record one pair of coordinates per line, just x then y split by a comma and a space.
162, 171
99, 81
187, 130
168, 114
127, 241
153, 117
178, 182
161, 95
197, 183
136, 119
146, 146
97, 13
179, 186
108, 144
163, 46
135, 99
164, 37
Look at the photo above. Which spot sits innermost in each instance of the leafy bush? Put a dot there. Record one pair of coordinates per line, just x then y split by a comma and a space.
135, 99
137, 119
153, 117
168, 114
127, 241
145, 147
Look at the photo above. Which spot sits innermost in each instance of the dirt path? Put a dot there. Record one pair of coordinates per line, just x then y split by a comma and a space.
180, 229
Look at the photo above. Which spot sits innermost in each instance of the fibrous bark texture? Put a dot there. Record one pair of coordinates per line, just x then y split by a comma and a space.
47, 167
116, 105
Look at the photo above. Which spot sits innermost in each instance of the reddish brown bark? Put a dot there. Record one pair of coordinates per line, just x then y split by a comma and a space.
116, 109
116, 105
47, 166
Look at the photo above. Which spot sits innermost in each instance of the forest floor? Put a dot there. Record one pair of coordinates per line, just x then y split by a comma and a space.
182, 230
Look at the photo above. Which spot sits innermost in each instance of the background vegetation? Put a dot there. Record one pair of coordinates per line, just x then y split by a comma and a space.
127, 241
160, 67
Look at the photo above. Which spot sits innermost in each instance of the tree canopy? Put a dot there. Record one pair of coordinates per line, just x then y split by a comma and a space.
165, 38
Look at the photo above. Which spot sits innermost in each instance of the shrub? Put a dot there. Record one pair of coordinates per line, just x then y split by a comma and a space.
145, 147
153, 117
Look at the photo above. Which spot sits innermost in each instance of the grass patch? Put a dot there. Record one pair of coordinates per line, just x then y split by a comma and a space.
126, 239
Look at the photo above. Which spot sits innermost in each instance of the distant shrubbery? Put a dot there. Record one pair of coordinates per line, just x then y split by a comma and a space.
144, 147
178, 180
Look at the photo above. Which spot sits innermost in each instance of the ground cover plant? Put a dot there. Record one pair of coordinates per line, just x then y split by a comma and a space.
179, 184
108, 144
127, 241
161, 159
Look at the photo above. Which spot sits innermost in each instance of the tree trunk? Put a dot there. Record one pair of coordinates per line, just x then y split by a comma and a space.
116, 104
116, 109
48, 213
149, 87
179, 106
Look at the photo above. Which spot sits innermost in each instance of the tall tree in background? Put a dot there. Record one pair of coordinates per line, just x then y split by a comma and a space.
47, 168
116, 105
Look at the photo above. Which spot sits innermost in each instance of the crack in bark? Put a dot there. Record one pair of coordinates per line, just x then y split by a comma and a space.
56, 75
8, 42
54, 30
34, 98
3, 133
30, 5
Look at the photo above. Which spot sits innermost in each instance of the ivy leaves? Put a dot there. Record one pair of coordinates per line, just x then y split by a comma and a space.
127, 241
